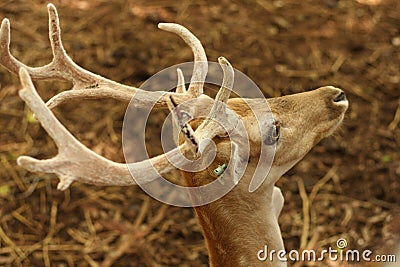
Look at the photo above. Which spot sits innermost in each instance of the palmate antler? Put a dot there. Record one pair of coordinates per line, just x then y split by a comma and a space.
74, 161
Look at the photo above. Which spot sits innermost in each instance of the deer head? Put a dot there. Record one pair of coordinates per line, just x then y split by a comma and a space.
237, 225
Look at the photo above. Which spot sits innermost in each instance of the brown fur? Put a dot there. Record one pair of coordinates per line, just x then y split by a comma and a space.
239, 224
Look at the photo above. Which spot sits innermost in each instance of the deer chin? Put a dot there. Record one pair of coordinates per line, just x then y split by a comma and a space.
277, 171
332, 130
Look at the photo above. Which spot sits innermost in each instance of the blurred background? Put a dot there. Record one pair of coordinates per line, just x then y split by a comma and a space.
347, 187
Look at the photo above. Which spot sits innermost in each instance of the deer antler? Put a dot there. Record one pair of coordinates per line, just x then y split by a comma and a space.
90, 85
75, 162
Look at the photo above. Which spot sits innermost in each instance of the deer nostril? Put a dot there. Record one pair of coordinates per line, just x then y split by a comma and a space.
340, 97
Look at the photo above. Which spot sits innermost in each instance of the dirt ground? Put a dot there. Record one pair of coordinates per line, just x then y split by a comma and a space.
347, 187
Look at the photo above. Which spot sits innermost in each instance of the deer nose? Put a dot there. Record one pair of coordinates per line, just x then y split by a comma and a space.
341, 96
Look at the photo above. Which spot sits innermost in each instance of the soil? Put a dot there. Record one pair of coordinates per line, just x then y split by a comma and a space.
347, 187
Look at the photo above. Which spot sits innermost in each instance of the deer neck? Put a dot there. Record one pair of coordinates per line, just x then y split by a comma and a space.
239, 225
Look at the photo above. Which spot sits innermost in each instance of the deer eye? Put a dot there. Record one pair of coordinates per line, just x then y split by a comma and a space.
273, 134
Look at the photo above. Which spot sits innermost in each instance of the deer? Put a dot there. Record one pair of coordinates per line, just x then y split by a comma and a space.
235, 226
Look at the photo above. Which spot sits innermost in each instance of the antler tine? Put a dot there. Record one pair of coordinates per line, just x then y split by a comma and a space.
7, 60
180, 88
75, 162
210, 126
227, 82
200, 59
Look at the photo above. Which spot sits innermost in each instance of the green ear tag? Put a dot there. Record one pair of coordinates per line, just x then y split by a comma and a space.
220, 169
